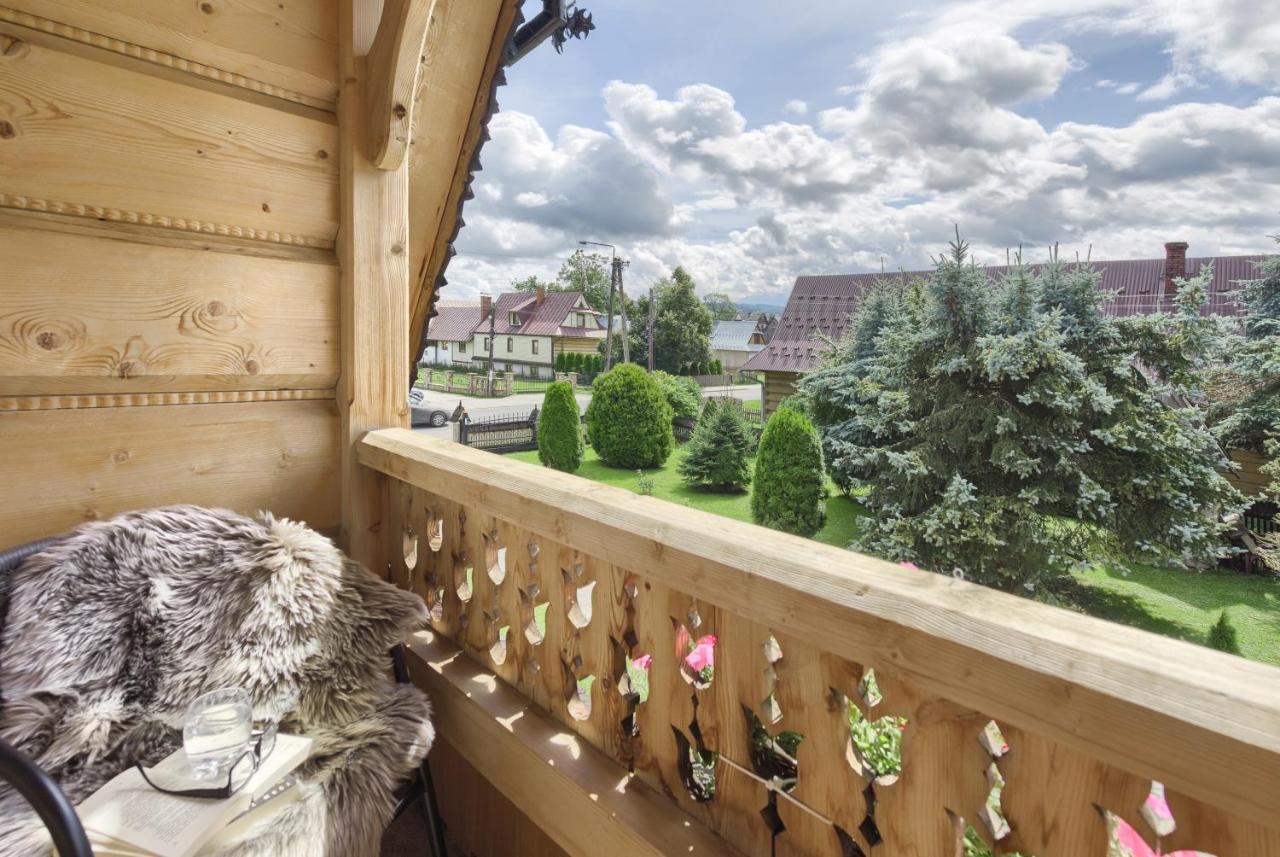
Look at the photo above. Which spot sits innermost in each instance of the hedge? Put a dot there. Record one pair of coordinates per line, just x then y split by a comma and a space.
559, 429
629, 420
790, 485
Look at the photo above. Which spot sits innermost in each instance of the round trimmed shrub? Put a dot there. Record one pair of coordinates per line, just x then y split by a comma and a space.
559, 429
789, 486
629, 420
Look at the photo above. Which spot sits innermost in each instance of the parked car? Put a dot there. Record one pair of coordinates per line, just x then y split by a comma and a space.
424, 414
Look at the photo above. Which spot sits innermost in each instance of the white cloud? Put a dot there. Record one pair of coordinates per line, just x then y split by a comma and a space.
796, 106
940, 128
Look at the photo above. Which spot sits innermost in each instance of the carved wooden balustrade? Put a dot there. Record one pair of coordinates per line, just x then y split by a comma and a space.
676, 682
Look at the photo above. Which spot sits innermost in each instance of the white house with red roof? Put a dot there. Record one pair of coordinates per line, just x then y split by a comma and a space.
527, 330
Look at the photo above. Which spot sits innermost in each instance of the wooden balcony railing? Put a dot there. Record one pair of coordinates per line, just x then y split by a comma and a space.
576, 594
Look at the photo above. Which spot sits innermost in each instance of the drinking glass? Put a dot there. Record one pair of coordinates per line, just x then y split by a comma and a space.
217, 732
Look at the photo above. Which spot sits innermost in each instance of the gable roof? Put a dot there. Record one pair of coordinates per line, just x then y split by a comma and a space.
459, 323
819, 306
455, 323
734, 336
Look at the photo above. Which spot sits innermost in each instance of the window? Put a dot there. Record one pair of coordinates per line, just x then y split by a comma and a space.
485, 345
462, 348
582, 320
515, 320
534, 346
511, 344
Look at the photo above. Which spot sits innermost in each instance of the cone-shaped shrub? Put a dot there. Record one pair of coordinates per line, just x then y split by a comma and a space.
789, 483
629, 420
717, 453
1222, 636
559, 430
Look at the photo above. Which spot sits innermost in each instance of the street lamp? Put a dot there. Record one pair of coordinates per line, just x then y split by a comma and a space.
615, 282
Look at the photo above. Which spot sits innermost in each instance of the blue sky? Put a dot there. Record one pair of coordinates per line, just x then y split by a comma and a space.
752, 145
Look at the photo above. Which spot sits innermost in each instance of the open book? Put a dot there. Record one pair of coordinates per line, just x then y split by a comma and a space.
128, 818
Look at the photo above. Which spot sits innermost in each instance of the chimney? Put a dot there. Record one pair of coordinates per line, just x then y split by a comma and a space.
1175, 264
486, 305
541, 295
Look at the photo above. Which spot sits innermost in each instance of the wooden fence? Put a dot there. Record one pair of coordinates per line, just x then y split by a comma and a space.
637, 676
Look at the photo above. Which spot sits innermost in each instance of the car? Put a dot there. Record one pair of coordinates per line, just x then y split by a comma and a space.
424, 414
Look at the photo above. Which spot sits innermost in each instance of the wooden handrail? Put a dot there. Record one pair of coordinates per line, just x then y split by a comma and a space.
1204, 723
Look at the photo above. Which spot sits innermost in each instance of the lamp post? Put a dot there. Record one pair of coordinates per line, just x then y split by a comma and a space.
615, 282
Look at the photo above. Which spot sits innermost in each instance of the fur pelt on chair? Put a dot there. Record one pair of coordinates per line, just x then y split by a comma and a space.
110, 634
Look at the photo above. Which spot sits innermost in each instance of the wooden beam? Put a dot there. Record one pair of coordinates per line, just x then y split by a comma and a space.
585, 801
373, 386
1204, 723
463, 53
395, 62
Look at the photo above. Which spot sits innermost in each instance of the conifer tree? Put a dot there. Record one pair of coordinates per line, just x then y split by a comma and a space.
716, 457
560, 429
1006, 430
789, 487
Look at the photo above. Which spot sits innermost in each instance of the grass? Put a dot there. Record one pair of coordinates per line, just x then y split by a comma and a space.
1171, 602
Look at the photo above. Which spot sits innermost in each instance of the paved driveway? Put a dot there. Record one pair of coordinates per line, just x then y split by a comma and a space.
522, 403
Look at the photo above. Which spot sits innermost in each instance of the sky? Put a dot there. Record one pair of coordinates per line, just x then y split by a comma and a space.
754, 141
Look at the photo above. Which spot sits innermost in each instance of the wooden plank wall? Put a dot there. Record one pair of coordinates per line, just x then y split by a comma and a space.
169, 307
777, 386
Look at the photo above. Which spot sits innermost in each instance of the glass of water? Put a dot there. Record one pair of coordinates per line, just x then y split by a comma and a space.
217, 732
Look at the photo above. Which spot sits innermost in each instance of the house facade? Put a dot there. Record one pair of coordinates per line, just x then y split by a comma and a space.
525, 331
734, 342
818, 308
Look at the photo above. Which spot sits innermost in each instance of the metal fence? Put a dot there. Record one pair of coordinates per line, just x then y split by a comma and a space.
500, 433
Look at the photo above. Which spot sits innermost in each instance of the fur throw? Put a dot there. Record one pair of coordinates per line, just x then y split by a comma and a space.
111, 633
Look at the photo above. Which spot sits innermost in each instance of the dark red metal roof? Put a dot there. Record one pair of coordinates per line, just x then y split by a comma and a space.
457, 324
819, 306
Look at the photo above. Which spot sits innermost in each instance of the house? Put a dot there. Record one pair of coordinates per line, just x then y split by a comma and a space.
449, 334
819, 306
734, 342
530, 330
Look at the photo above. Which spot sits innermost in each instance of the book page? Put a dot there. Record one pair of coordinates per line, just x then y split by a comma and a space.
127, 810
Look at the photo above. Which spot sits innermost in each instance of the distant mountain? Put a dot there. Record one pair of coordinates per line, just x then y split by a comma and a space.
761, 306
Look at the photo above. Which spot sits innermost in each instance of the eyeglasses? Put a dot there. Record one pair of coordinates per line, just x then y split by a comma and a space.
263, 741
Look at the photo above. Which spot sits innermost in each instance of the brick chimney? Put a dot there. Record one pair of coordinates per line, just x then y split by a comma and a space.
486, 305
541, 294
1175, 264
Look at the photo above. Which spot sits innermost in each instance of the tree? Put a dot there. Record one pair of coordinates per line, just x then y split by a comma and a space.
1245, 393
683, 394
789, 487
716, 456
629, 420
1222, 636
561, 359
720, 305
531, 284
681, 330
560, 429
581, 272
1009, 430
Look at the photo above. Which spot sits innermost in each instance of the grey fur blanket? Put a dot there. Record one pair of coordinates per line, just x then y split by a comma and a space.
110, 634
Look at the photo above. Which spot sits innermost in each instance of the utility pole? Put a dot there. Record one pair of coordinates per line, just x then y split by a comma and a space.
493, 313
622, 295
615, 284
653, 315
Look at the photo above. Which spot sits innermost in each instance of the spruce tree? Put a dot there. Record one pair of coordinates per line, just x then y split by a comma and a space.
1223, 637
1245, 407
716, 456
1007, 430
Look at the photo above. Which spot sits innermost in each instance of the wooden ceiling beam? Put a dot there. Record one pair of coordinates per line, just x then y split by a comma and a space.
394, 67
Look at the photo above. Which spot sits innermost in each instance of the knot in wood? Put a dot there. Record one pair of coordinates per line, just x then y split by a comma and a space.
7, 131
400, 111
217, 308
48, 340
252, 367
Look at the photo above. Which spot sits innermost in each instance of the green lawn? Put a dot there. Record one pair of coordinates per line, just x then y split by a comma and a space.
1176, 603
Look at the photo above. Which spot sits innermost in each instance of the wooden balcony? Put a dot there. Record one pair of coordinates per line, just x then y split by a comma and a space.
543, 586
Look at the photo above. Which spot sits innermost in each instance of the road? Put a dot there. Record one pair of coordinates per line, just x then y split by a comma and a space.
522, 403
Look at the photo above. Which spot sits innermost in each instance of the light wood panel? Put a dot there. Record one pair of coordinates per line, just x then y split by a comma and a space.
463, 53
583, 800
373, 385
88, 139
395, 60
1248, 479
63, 467
1208, 727
287, 49
82, 315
